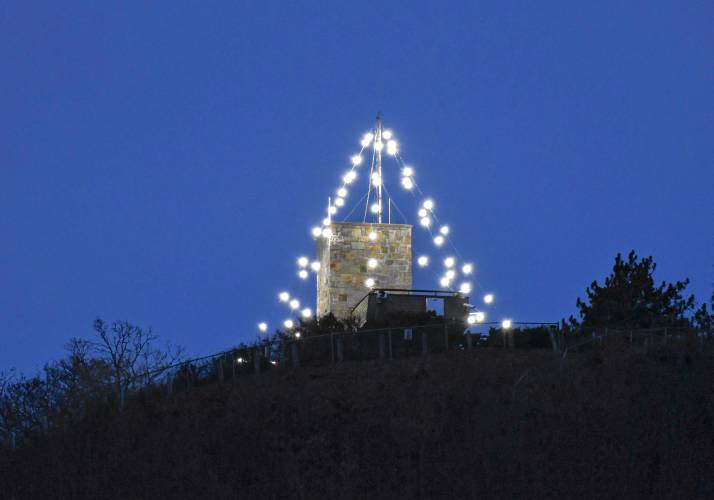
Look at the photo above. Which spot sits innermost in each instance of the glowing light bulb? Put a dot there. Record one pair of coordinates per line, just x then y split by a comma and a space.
303, 274
349, 177
407, 171
422, 212
332, 210
342, 193
449, 262
303, 261
306, 313
392, 147
451, 274
240, 360
378, 145
327, 233
356, 160
444, 230
506, 324
263, 326
467, 268
369, 282
372, 236
425, 221
438, 240
480, 316
471, 319
294, 304
488, 298
387, 134
444, 282
465, 288
376, 179
339, 202
316, 232
284, 296
375, 208
407, 183
371, 263
315, 266
297, 335
423, 261
288, 323
325, 222
428, 204
366, 139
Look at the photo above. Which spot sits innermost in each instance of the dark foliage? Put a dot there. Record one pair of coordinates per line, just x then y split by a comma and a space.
629, 298
620, 422
95, 375
520, 338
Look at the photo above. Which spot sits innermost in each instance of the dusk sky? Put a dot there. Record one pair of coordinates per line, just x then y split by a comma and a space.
164, 164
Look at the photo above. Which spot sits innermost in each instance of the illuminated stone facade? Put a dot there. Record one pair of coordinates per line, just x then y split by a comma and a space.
344, 263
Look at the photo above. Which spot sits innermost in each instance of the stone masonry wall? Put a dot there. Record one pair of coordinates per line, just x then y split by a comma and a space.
343, 263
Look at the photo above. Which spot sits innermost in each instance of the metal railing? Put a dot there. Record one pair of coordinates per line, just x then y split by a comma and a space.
585, 338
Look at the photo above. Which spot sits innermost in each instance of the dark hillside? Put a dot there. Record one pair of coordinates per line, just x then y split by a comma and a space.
618, 422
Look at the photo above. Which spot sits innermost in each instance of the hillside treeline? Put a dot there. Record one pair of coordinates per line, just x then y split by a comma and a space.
481, 424
485, 423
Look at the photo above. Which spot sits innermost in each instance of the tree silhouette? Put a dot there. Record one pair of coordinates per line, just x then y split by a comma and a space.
629, 298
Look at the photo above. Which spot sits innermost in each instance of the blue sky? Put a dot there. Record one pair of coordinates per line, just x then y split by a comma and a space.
163, 163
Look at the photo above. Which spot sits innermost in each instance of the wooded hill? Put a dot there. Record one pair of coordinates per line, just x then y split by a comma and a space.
620, 420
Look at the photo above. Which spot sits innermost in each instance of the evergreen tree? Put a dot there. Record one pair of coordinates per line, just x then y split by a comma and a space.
629, 298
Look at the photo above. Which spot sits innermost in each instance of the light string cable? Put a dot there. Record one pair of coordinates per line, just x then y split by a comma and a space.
295, 312
369, 182
400, 161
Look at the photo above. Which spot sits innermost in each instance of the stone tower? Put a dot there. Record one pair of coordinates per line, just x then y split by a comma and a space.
343, 263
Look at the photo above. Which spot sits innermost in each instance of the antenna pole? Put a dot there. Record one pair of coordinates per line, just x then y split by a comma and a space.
378, 140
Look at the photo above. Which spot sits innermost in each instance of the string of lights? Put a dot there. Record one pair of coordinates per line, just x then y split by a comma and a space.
427, 217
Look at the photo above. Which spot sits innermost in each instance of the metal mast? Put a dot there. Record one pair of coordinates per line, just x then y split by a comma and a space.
378, 148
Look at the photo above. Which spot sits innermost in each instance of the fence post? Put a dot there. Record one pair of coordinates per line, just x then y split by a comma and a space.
389, 333
256, 360
340, 349
553, 339
424, 342
294, 354
332, 347
468, 340
380, 342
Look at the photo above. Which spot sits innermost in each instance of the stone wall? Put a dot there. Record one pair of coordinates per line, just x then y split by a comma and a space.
343, 263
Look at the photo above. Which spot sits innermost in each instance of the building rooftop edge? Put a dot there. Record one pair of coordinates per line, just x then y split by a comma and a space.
369, 224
